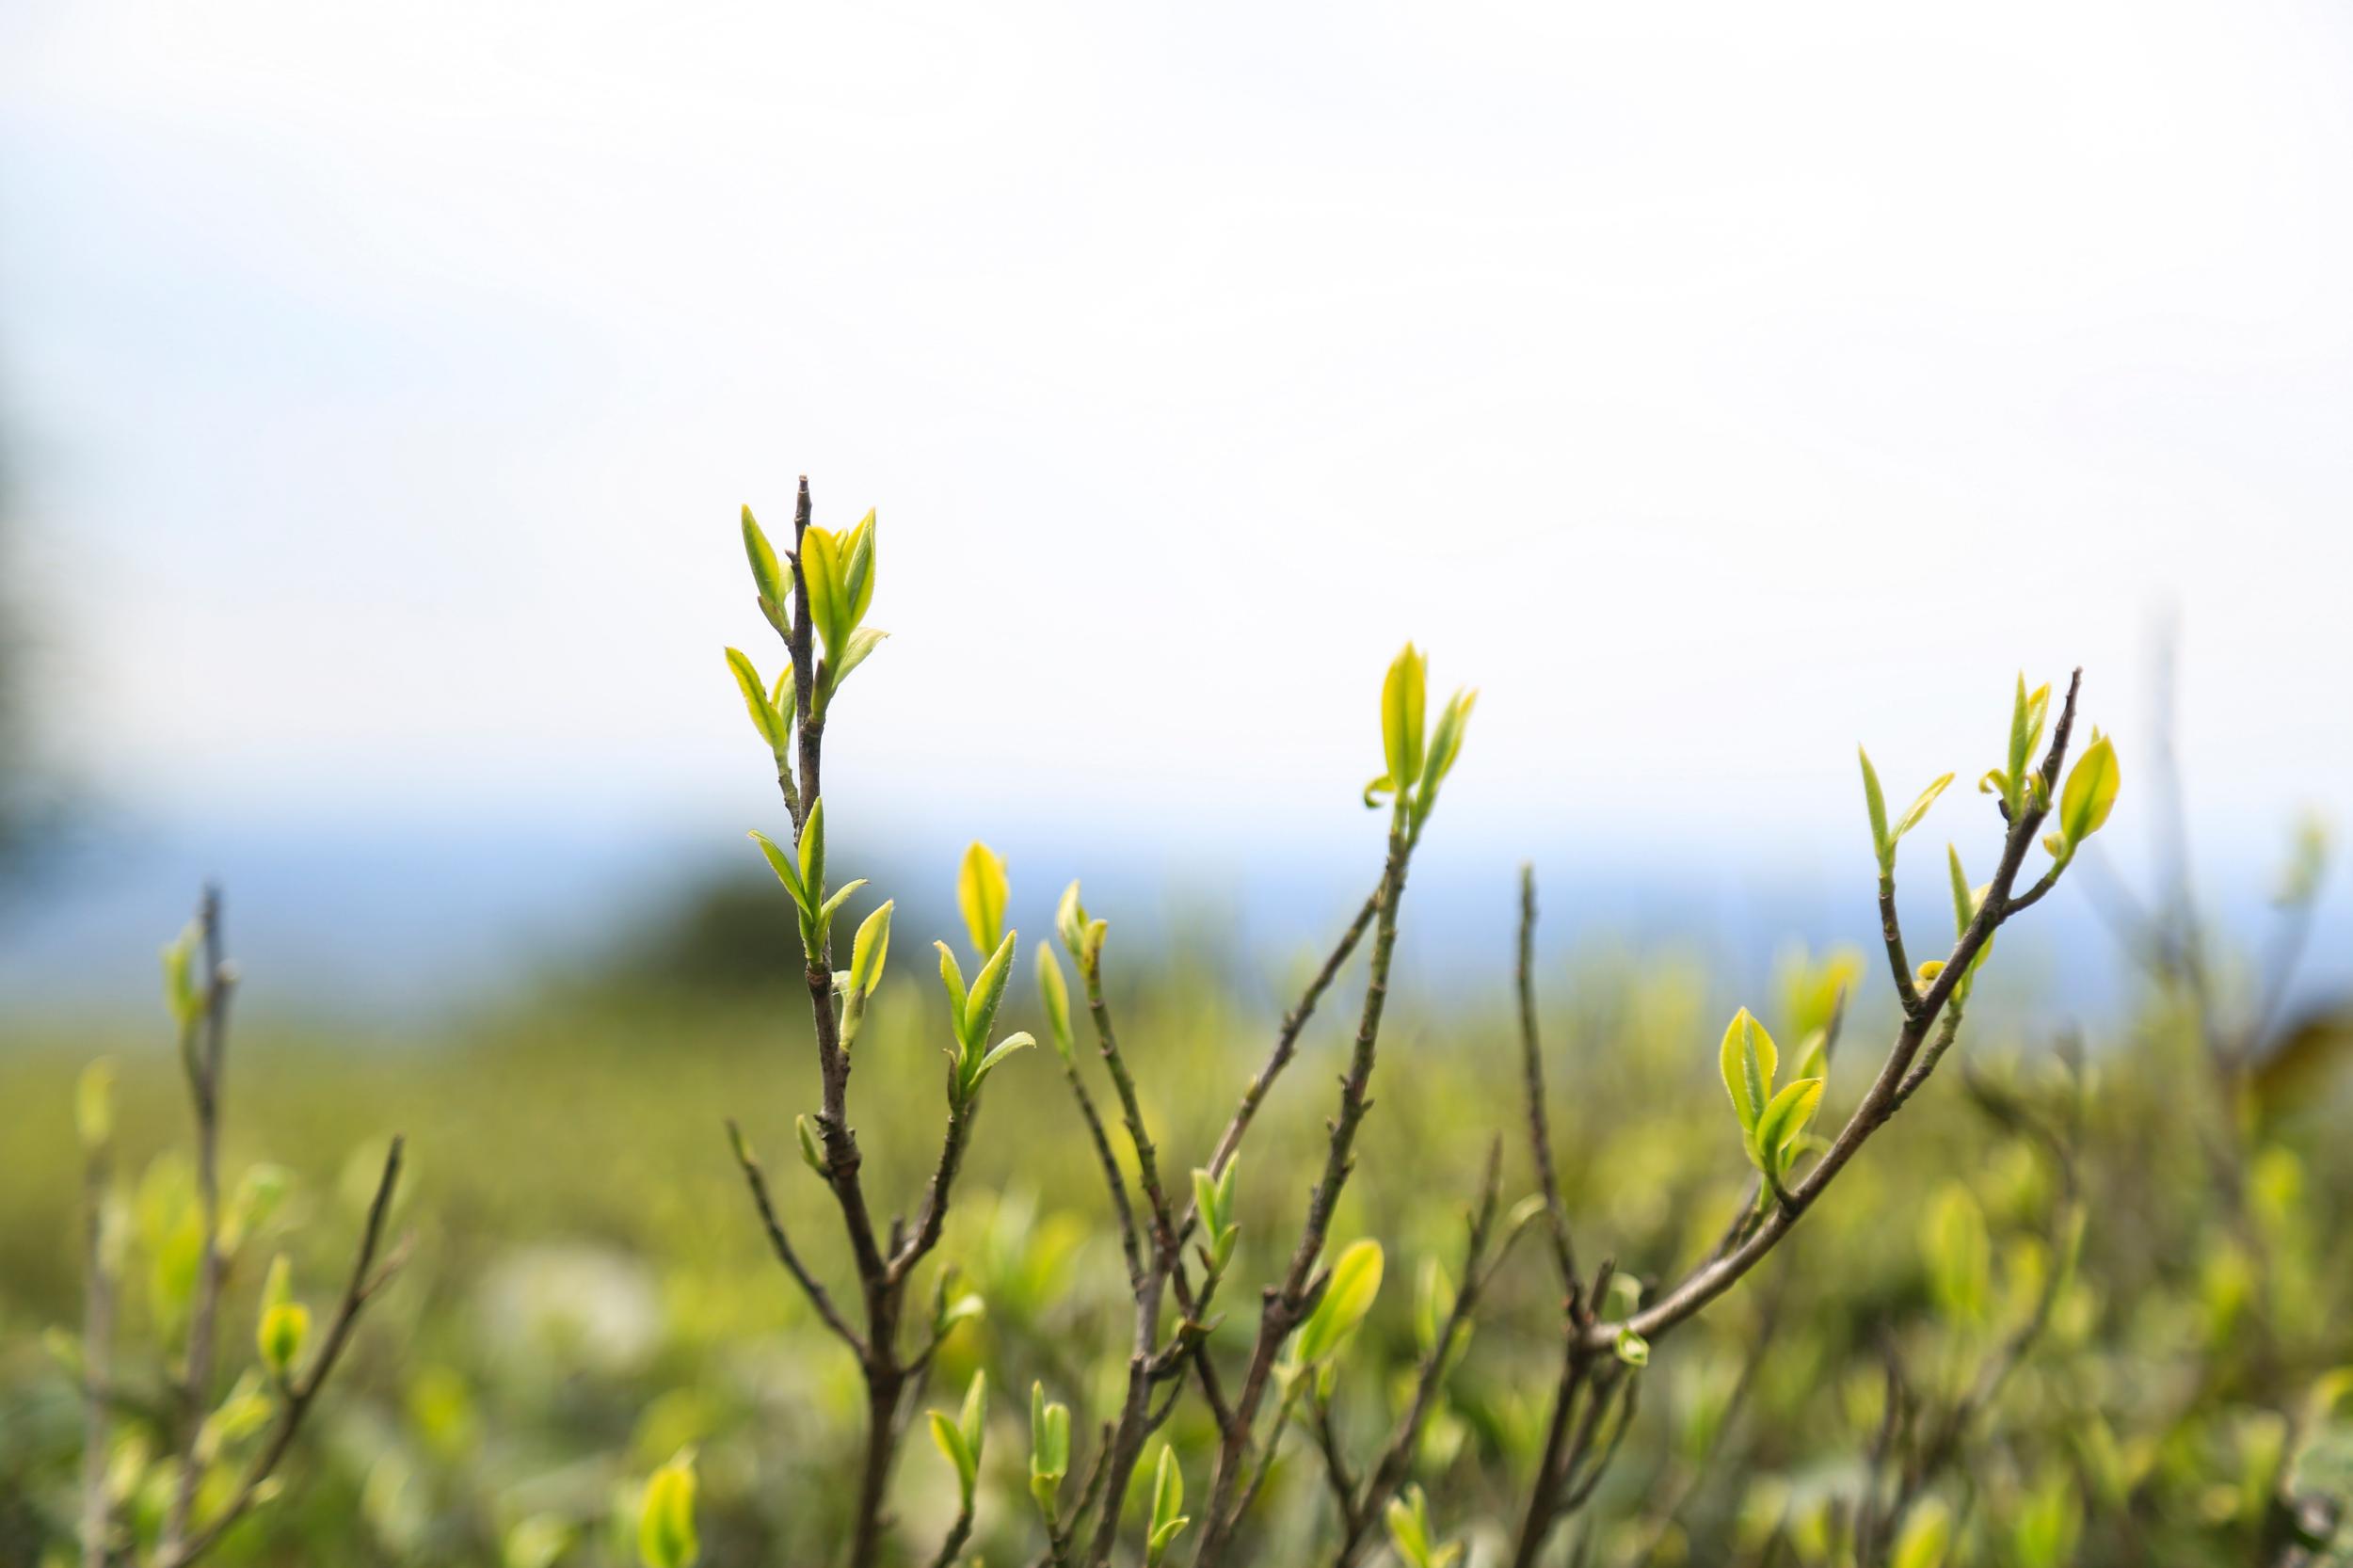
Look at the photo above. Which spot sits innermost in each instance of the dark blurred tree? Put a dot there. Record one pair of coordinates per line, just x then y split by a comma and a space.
30, 803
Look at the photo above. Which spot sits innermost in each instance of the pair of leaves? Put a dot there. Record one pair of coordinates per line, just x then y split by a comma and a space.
1771, 1122
971, 1011
1884, 837
961, 1439
804, 878
839, 568
1168, 1503
2029, 713
1410, 1534
1416, 762
1213, 1195
1347, 1297
1080, 936
1049, 1447
665, 1521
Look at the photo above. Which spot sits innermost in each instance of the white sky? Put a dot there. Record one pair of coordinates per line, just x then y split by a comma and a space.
1714, 386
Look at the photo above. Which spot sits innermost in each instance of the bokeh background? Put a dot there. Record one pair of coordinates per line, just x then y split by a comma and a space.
1714, 387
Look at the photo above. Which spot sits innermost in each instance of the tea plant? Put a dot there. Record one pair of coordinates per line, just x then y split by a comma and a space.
1178, 1247
1602, 1355
193, 1462
815, 596
1317, 1301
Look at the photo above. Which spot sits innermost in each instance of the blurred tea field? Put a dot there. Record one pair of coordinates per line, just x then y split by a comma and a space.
590, 1291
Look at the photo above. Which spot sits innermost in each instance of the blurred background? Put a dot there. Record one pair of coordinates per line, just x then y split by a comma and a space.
1713, 387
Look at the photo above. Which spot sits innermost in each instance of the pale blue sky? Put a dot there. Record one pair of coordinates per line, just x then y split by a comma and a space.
1714, 386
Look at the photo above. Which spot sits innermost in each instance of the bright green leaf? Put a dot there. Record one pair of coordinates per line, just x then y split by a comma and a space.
1356, 1281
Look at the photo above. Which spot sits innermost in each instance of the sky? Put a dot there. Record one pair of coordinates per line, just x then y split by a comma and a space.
1713, 387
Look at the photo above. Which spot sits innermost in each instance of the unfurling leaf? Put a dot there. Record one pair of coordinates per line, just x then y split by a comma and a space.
2027, 713
1445, 743
182, 994
665, 1521
1408, 1520
868, 949
822, 569
1206, 1199
1053, 994
972, 1420
1049, 1447
952, 980
1072, 925
987, 992
2090, 791
950, 1439
981, 893
1748, 1060
1875, 803
1632, 1348
1402, 696
812, 1151
1356, 1281
1784, 1119
1168, 1503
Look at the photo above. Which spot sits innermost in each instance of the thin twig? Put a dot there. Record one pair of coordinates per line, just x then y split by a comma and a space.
1532, 1070
757, 1180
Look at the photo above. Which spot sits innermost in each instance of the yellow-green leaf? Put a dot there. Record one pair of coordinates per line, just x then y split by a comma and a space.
2090, 791
1356, 1281
1748, 1060
981, 893
822, 565
665, 1523
868, 949
1055, 993
1875, 803
767, 572
765, 719
1401, 695
1786, 1116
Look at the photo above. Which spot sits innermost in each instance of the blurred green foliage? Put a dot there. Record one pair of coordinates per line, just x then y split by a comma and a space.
590, 1295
